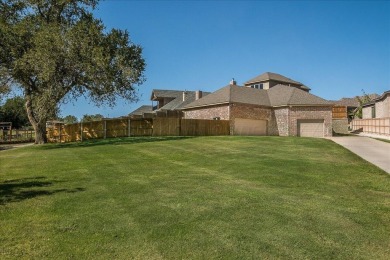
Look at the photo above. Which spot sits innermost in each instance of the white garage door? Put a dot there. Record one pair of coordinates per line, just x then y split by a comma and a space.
311, 128
250, 127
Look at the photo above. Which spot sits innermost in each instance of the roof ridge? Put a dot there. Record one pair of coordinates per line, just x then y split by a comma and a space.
230, 93
292, 94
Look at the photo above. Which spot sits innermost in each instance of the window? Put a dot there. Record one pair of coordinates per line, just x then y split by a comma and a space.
261, 86
373, 112
257, 86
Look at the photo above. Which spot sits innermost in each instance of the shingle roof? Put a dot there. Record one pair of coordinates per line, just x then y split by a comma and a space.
178, 102
279, 95
177, 98
282, 95
348, 102
141, 110
352, 102
220, 96
375, 98
272, 76
164, 93
233, 94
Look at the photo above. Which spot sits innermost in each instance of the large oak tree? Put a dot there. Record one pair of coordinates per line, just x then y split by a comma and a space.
56, 51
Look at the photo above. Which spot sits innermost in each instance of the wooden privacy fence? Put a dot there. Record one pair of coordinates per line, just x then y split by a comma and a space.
339, 112
372, 125
127, 127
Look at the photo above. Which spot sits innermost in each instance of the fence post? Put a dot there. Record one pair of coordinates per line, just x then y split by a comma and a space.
128, 127
81, 131
105, 128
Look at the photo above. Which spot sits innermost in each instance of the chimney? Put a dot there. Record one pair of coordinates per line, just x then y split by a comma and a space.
184, 95
198, 94
233, 82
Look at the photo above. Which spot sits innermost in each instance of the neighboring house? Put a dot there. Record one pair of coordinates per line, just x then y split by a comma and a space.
168, 101
269, 79
284, 110
378, 107
141, 111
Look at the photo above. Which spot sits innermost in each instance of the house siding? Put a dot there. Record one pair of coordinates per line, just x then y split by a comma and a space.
367, 112
382, 108
321, 112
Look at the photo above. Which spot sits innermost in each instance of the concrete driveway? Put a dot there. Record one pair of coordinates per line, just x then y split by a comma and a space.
374, 151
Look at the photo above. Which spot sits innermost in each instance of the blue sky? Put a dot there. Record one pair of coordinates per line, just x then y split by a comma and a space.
337, 48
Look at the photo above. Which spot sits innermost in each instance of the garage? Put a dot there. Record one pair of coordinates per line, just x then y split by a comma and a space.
311, 128
244, 126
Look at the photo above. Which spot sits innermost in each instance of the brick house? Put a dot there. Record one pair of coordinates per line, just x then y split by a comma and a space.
378, 108
277, 107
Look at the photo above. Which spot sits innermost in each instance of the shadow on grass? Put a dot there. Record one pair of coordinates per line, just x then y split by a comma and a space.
115, 141
22, 189
5, 147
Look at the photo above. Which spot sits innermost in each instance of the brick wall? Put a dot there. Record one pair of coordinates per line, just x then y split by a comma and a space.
340, 126
252, 112
324, 113
281, 125
221, 111
281, 121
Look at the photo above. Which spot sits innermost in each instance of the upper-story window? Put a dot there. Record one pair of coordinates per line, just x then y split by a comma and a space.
257, 86
373, 112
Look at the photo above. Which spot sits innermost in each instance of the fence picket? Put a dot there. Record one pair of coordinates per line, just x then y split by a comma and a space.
122, 127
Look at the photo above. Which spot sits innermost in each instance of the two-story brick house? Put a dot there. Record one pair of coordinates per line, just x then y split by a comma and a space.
284, 110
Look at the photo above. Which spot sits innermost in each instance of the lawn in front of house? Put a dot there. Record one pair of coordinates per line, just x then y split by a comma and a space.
194, 198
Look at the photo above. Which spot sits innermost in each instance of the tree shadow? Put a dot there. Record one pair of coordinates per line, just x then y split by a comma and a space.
27, 188
5, 147
114, 141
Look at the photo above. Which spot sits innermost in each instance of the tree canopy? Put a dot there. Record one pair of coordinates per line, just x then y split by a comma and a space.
13, 111
69, 119
91, 118
56, 51
358, 113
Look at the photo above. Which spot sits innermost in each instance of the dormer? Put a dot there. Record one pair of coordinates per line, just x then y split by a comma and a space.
269, 79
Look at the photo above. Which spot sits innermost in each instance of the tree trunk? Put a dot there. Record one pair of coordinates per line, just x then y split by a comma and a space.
40, 133
38, 125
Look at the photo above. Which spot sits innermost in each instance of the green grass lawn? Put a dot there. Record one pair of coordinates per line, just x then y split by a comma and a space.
383, 140
192, 198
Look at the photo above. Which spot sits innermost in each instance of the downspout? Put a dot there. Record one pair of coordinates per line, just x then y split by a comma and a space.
289, 121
